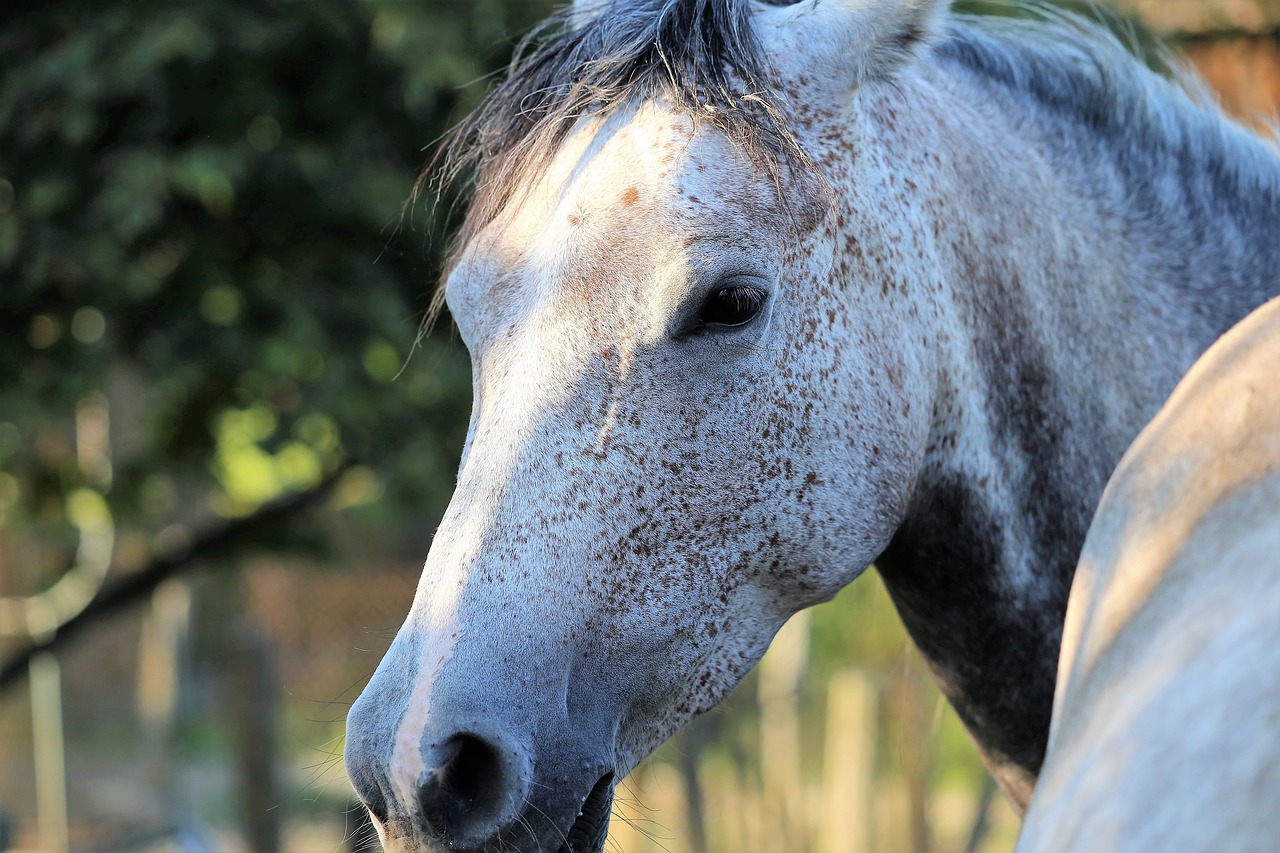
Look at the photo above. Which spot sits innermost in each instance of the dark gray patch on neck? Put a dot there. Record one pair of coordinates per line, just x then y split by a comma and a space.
991, 630
981, 574
994, 657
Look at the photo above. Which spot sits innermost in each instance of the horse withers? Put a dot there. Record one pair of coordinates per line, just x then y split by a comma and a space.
756, 295
1167, 714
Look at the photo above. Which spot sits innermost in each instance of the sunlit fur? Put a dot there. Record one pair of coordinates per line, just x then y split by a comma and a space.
1000, 248
1168, 705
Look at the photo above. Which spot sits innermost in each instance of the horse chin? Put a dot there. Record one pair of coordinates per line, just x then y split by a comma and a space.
540, 830
563, 824
543, 828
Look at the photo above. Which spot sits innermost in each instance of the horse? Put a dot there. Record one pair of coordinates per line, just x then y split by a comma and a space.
758, 295
1167, 705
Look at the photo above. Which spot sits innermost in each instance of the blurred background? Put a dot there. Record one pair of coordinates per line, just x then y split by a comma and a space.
224, 446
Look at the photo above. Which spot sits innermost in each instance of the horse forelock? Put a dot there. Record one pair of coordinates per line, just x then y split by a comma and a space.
702, 57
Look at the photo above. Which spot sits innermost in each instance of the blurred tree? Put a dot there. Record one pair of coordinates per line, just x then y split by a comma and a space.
200, 242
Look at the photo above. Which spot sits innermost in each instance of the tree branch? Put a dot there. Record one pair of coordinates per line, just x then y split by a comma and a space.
134, 586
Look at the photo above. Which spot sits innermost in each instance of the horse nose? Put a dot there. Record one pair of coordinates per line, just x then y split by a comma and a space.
472, 787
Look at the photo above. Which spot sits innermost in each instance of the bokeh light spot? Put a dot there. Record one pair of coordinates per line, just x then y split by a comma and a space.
10, 490
264, 133
388, 29
357, 487
381, 361
88, 325
298, 464
216, 193
87, 510
221, 304
44, 331
318, 431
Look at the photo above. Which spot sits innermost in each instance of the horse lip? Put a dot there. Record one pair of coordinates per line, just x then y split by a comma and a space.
591, 828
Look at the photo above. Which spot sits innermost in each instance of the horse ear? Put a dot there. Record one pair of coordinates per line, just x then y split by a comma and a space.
850, 42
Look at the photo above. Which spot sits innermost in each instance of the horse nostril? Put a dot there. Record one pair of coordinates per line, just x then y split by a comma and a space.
467, 788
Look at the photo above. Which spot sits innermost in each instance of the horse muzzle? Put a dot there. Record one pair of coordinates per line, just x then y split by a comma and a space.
480, 773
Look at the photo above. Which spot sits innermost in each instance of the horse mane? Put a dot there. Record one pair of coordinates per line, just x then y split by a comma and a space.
1159, 139
1079, 70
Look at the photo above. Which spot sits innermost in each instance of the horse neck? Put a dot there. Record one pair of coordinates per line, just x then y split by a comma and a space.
1072, 300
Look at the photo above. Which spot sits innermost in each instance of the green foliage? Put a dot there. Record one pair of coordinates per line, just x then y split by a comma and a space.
200, 220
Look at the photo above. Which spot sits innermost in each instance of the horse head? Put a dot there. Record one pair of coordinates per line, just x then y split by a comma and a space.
687, 424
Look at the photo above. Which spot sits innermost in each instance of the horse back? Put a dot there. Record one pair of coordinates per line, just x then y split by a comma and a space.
1166, 725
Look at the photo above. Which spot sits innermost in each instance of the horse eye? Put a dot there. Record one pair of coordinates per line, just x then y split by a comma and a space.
732, 305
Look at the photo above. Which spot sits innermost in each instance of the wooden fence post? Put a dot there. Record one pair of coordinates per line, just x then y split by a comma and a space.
848, 764
252, 706
781, 747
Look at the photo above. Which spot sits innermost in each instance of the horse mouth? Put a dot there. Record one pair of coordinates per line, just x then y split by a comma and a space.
589, 831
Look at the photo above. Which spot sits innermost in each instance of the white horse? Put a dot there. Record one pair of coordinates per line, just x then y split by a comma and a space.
1167, 716
757, 295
